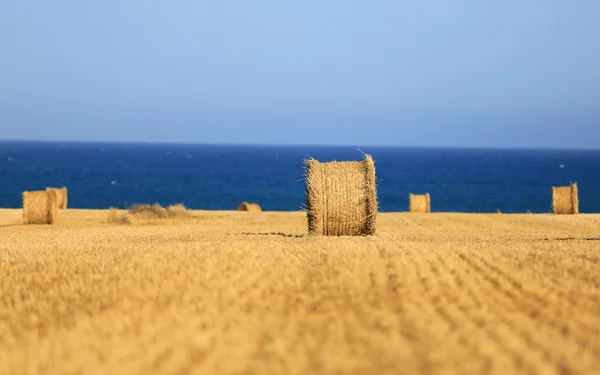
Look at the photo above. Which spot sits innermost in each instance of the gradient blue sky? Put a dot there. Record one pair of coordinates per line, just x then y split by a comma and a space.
421, 73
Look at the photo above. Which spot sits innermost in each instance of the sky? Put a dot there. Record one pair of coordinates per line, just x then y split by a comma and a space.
466, 73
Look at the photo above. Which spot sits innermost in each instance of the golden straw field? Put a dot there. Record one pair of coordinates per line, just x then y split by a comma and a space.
251, 293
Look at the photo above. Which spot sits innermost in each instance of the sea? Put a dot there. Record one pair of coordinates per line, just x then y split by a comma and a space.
220, 177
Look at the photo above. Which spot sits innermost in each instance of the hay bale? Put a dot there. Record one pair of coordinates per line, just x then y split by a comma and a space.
61, 195
420, 203
565, 200
252, 207
341, 197
40, 207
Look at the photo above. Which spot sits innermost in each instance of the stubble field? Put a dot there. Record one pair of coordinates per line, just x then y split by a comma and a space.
250, 293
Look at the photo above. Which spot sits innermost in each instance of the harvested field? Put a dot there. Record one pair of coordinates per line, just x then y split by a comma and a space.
231, 293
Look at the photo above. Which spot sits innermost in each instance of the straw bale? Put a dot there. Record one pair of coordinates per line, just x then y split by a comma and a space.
565, 200
40, 207
341, 197
61, 195
420, 203
251, 207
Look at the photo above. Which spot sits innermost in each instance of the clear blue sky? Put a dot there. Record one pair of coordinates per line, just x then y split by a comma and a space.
421, 73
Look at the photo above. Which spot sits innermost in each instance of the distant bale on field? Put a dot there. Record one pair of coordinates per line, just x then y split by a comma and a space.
420, 203
341, 197
40, 207
251, 207
61, 196
565, 200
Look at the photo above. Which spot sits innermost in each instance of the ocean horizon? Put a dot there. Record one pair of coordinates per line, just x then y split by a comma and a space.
100, 175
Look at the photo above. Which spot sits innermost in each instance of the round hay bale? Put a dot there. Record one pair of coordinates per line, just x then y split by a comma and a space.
341, 197
420, 203
61, 196
565, 200
251, 207
40, 207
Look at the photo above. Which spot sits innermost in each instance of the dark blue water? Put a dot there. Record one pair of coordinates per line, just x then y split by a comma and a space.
220, 177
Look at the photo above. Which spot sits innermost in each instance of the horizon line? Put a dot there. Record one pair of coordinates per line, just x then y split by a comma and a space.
507, 148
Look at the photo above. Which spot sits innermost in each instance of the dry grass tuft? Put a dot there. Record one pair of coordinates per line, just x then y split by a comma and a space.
114, 216
341, 198
140, 214
251, 207
61, 196
420, 203
156, 211
565, 200
176, 210
40, 207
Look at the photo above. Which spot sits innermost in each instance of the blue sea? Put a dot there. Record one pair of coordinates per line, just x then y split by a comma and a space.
220, 177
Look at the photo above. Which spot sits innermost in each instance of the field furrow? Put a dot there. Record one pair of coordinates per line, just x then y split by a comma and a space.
525, 317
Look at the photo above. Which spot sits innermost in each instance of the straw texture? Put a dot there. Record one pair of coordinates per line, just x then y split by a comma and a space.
341, 198
61, 196
252, 207
149, 214
565, 200
420, 203
40, 207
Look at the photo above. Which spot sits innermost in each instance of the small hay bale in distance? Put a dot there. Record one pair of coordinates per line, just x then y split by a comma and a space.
420, 203
250, 207
565, 200
40, 207
61, 196
341, 197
